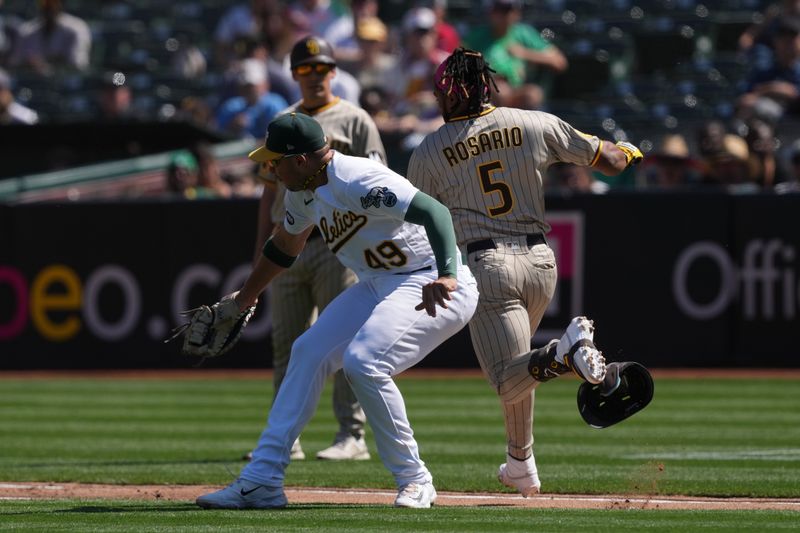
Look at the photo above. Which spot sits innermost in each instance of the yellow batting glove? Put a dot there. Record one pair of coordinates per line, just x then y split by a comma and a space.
632, 154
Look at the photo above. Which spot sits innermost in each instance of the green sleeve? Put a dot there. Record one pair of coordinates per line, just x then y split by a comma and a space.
438, 224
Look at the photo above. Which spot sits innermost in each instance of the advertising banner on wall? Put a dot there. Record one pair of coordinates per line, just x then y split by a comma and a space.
103, 284
670, 280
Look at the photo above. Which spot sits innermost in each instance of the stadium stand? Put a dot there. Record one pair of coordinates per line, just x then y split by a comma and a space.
638, 68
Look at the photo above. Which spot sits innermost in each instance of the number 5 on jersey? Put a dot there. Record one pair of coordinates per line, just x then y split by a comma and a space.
488, 186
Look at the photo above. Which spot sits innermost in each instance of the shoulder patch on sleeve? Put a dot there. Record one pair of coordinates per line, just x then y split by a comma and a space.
377, 195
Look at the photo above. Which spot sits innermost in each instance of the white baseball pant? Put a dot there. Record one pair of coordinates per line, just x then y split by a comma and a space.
372, 331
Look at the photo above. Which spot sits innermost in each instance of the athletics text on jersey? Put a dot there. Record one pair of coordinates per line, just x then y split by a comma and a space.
361, 204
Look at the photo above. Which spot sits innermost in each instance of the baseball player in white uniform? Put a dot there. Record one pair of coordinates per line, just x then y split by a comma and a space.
316, 278
401, 244
486, 164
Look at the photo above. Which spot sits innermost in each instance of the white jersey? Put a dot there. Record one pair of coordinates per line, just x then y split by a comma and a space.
360, 213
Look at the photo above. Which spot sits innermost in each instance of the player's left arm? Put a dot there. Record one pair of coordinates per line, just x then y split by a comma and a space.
438, 224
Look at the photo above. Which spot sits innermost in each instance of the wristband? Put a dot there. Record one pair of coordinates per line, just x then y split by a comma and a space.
272, 253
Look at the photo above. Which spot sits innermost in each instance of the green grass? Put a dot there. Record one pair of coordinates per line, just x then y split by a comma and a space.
101, 515
127, 516
698, 437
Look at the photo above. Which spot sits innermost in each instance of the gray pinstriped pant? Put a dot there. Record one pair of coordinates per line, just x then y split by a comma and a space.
516, 284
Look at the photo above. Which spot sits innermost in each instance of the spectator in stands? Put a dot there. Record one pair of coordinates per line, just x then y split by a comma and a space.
187, 60
447, 37
9, 32
245, 184
114, 99
257, 19
195, 110
53, 40
730, 168
181, 176
375, 101
761, 141
568, 178
248, 114
257, 47
413, 110
330, 19
347, 49
209, 179
774, 90
413, 78
518, 53
373, 67
11, 111
762, 33
792, 183
710, 138
282, 28
280, 81
670, 166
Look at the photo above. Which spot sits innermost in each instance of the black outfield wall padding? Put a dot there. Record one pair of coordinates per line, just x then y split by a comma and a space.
697, 280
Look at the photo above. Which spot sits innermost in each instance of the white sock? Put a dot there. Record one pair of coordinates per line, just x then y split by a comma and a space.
517, 468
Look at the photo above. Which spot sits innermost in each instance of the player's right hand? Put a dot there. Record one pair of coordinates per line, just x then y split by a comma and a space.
435, 293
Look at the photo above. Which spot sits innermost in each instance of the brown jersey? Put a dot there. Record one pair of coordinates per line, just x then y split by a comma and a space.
488, 169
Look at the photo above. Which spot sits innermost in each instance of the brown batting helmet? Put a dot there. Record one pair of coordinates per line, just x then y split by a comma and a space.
311, 49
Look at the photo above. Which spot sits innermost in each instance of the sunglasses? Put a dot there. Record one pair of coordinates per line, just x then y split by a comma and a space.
274, 163
320, 68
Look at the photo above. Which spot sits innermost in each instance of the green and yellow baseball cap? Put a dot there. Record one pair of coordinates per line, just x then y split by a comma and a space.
290, 134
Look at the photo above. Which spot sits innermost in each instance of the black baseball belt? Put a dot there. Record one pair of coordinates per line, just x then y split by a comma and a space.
487, 244
421, 269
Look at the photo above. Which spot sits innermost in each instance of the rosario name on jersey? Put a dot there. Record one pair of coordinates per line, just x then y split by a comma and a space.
360, 214
489, 169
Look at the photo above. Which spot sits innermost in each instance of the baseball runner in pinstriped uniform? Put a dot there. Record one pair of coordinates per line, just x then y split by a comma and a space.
316, 278
486, 164
402, 245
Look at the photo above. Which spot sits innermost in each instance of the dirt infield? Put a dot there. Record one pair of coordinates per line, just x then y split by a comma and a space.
187, 493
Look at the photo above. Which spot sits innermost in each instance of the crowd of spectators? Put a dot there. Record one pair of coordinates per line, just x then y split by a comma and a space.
234, 76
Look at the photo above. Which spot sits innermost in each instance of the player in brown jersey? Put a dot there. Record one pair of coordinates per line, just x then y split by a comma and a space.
486, 164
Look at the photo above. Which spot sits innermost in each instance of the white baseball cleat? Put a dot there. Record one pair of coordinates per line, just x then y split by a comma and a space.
416, 496
347, 449
297, 453
243, 494
578, 352
520, 475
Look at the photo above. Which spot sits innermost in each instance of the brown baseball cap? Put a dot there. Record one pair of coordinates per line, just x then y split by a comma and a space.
311, 49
